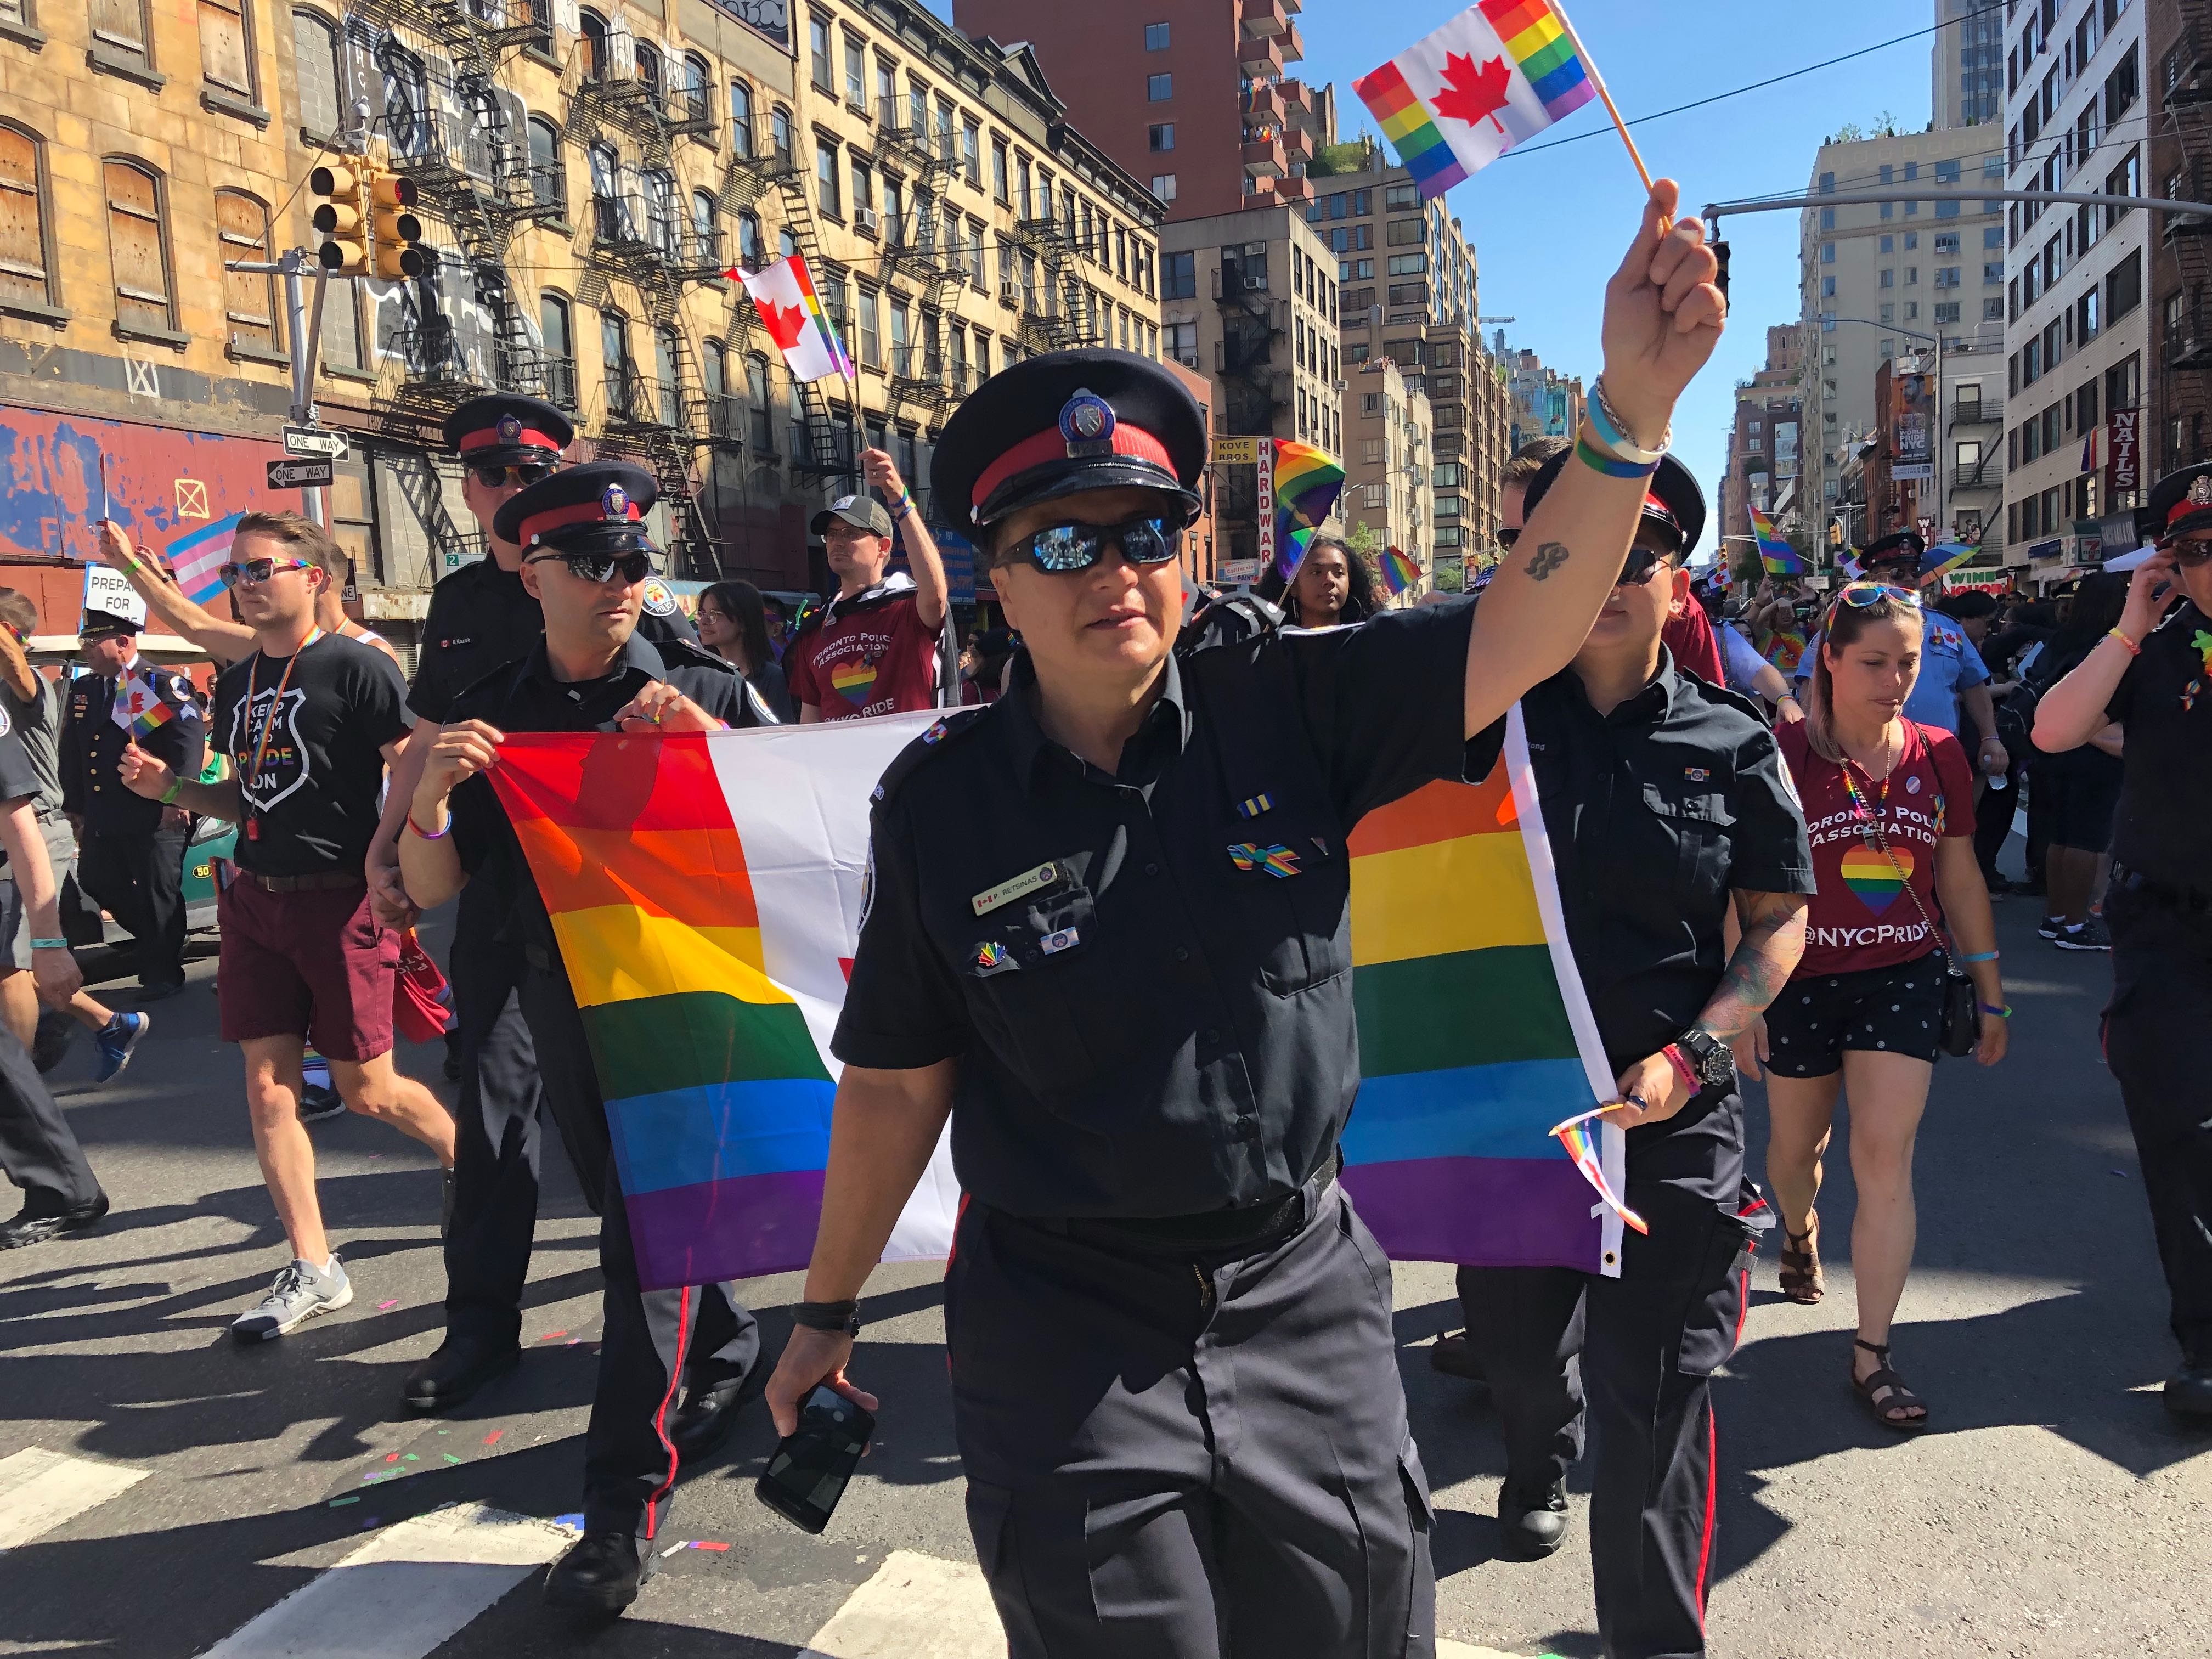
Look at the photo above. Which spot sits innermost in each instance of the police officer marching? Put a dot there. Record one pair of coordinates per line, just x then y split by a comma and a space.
131, 852
589, 562
1107, 938
2152, 678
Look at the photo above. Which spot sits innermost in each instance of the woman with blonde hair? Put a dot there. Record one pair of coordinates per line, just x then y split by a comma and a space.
1889, 806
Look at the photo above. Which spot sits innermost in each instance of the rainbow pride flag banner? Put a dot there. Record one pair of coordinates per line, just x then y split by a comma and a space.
1307, 485
197, 559
1475, 1036
1774, 552
138, 708
1494, 77
1399, 571
1943, 558
706, 892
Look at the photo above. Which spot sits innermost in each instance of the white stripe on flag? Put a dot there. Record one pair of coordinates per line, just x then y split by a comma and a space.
42, 1490
406, 1590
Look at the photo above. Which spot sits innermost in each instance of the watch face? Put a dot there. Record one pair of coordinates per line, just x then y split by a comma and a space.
1719, 1064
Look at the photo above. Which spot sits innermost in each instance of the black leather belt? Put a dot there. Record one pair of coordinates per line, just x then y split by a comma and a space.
2172, 896
324, 881
1228, 1232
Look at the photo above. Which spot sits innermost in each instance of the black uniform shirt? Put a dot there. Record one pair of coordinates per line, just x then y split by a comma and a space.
1146, 1027
526, 696
481, 618
1654, 812
92, 744
2164, 701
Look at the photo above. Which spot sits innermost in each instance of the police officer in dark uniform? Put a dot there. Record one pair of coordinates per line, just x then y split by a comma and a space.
586, 674
1108, 936
481, 619
130, 856
1665, 800
2153, 677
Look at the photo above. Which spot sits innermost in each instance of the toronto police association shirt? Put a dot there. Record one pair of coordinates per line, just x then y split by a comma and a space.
2165, 702
1145, 975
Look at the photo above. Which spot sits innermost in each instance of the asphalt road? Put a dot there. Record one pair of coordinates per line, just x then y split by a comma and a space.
163, 1492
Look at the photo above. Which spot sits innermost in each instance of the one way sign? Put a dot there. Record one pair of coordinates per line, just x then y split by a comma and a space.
298, 475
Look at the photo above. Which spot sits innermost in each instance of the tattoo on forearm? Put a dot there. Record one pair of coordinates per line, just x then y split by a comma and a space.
1546, 559
1764, 958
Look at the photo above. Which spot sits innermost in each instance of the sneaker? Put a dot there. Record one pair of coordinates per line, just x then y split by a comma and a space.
300, 1292
2089, 936
317, 1103
2047, 928
116, 1041
57, 1031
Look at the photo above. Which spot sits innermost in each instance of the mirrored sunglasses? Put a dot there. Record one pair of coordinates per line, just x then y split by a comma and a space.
1641, 564
601, 567
256, 571
1061, 550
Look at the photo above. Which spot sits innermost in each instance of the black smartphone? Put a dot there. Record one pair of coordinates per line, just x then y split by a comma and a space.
808, 1471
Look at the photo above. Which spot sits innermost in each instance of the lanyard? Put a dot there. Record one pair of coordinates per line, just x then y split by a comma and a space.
267, 720
1869, 819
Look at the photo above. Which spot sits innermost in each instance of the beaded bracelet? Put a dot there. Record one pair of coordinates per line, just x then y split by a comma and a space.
2133, 650
1979, 955
2003, 1012
1596, 459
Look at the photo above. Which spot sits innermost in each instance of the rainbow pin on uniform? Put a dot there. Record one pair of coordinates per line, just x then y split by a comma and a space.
1278, 860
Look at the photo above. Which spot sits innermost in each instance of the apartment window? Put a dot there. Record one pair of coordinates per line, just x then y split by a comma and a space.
1161, 134
1912, 276
2086, 317
1888, 315
1993, 274
1993, 310
137, 244
24, 267
321, 71
971, 153
1371, 451
817, 45
749, 250
1947, 241
1180, 341
548, 182
779, 139
1889, 245
2125, 179
1163, 187
2123, 287
554, 329
825, 179
119, 30
1887, 279
864, 193
1967, 455
1158, 88
871, 344
226, 46
1827, 218
757, 414
249, 301
998, 171
1827, 252
974, 249
1155, 36
1947, 277
741, 118
1946, 311
1992, 237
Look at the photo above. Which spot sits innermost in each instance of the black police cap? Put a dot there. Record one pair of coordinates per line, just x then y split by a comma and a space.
502, 430
1063, 422
596, 508
1671, 497
2181, 503
1895, 548
106, 625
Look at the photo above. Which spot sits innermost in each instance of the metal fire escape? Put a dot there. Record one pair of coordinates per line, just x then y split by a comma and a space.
1048, 242
2185, 386
1251, 321
622, 96
925, 249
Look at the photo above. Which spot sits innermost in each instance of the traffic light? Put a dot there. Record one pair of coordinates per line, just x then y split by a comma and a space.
341, 229
397, 230
1720, 276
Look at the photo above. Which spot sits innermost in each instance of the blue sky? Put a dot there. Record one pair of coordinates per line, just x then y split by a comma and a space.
1549, 229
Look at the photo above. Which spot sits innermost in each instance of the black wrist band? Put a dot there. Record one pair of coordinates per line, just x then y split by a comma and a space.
843, 1316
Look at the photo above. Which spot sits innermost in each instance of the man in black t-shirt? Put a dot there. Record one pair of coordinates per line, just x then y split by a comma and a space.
589, 562
309, 721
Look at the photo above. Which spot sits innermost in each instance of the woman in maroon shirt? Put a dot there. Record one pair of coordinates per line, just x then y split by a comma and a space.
1889, 807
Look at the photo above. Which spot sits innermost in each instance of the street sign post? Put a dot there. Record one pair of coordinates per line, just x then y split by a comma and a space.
299, 474
314, 440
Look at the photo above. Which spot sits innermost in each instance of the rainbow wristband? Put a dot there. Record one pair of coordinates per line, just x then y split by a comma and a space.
2003, 1012
1612, 466
1614, 439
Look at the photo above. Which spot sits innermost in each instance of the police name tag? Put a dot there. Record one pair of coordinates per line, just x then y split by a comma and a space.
1014, 887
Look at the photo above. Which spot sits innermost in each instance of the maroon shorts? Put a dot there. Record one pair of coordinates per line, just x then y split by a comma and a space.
315, 964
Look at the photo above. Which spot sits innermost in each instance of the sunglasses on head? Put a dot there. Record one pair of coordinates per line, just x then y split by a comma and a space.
1061, 550
601, 567
256, 571
1860, 595
520, 475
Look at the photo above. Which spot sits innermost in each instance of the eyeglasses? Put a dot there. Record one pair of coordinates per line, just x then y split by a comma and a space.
254, 572
1506, 538
1064, 548
526, 472
1860, 595
600, 568
1642, 561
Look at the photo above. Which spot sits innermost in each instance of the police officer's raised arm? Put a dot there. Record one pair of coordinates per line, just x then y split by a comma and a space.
1663, 316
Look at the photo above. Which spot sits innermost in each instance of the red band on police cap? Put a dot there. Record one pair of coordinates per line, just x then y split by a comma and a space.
1051, 445
1659, 509
557, 517
529, 437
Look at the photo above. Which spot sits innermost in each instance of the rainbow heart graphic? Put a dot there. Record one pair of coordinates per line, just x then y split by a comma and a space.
854, 680
1871, 876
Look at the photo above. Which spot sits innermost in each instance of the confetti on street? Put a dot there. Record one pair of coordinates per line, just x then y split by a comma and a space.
339, 1502
552, 1336
494, 1436
704, 1546
382, 1306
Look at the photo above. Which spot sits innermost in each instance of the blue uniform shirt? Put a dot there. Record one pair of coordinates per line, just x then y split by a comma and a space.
1949, 665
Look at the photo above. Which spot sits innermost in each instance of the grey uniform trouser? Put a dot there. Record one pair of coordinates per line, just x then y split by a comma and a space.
1189, 1458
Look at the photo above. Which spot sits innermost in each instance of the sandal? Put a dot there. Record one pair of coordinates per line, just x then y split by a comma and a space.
1800, 1265
1886, 1395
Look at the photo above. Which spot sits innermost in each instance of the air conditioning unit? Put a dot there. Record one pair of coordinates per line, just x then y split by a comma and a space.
865, 218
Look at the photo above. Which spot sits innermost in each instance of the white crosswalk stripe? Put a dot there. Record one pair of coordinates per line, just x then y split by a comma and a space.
42, 1490
409, 1588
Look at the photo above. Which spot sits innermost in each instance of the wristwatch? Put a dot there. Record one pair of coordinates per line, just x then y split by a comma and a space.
1713, 1059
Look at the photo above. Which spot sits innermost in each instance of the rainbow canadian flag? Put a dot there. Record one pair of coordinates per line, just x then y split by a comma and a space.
791, 313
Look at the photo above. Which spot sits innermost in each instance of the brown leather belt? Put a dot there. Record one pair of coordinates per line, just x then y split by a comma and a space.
324, 882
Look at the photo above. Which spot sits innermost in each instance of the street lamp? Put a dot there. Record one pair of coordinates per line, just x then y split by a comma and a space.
1936, 437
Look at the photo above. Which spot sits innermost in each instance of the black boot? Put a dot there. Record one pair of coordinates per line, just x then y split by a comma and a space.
1535, 1523
709, 1414
2189, 1393
30, 1229
602, 1573
462, 1365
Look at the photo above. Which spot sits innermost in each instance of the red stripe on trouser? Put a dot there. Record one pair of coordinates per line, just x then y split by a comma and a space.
1712, 1481
661, 1416
1742, 1308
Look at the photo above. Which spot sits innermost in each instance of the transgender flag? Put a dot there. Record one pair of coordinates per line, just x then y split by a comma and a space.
1475, 1035
1496, 76
707, 895
198, 559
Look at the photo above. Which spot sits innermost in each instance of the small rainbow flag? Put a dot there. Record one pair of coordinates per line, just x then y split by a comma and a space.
1786, 649
1494, 77
1399, 572
139, 707
1307, 484
198, 559
1779, 557
1578, 1135
1943, 558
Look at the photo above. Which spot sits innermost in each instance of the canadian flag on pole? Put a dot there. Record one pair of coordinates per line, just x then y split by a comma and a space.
793, 314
